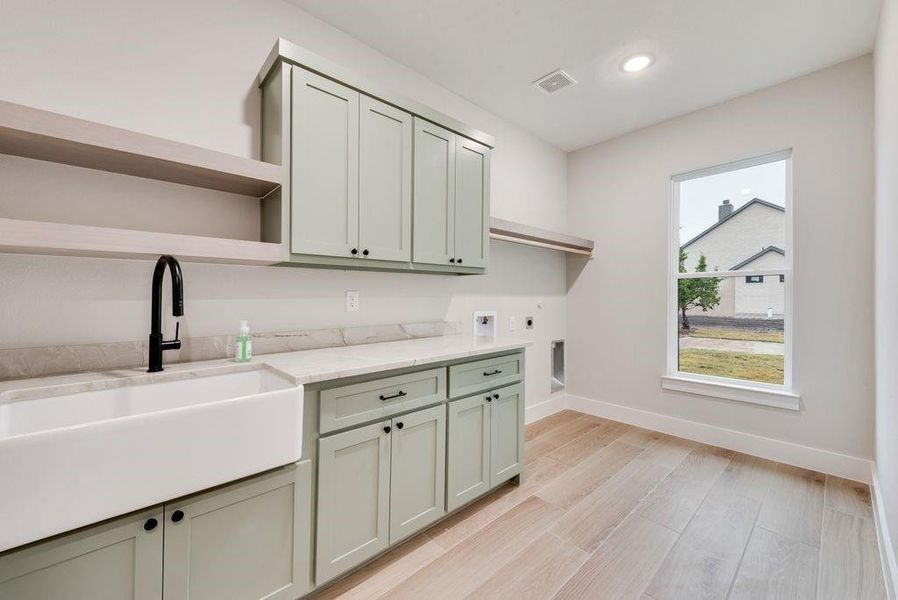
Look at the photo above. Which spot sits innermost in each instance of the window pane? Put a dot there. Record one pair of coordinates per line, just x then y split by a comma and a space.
735, 220
731, 328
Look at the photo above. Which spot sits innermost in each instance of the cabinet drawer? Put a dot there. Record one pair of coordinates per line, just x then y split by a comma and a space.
350, 405
473, 377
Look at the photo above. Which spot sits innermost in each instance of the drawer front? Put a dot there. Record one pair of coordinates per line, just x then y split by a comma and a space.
473, 377
350, 405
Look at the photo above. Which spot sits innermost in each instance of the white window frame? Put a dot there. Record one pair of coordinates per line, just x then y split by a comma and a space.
767, 394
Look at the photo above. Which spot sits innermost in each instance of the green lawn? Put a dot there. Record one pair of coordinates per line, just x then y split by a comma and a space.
727, 333
767, 368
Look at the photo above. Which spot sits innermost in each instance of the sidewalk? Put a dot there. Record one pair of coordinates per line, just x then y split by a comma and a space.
746, 347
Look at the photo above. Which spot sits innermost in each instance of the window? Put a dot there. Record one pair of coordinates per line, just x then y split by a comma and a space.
731, 330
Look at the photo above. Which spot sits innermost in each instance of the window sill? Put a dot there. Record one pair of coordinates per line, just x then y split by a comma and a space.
732, 391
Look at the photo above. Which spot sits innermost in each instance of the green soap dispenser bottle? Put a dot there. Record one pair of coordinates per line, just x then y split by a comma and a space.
244, 344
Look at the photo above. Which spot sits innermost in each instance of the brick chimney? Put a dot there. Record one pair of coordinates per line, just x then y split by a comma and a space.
724, 210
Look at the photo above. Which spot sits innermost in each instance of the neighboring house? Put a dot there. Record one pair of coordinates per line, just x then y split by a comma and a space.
752, 237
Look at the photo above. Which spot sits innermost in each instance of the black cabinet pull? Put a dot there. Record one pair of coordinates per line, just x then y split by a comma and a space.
399, 425
400, 394
495, 396
459, 261
365, 252
177, 516
386, 429
354, 251
452, 260
150, 524
489, 398
489, 373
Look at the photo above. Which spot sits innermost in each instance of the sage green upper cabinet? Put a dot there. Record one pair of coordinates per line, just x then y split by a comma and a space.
242, 541
353, 498
434, 232
468, 462
451, 198
385, 182
121, 559
506, 433
472, 210
417, 471
325, 166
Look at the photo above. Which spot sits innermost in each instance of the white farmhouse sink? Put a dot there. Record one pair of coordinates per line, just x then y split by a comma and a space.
70, 457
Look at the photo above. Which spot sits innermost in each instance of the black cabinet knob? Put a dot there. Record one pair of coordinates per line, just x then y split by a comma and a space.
452, 260
489, 398
386, 429
177, 516
150, 524
354, 251
399, 425
459, 261
365, 252
495, 396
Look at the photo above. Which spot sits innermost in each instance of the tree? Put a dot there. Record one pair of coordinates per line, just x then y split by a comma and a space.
701, 293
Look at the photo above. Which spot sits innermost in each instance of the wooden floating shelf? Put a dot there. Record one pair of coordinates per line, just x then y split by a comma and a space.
509, 231
44, 135
40, 237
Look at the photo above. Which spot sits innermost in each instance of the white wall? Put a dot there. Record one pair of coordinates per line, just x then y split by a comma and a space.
619, 194
887, 266
186, 71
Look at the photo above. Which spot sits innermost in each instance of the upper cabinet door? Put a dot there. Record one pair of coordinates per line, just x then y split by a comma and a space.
245, 540
472, 204
325, 163
119, 559
434, 228
385, 181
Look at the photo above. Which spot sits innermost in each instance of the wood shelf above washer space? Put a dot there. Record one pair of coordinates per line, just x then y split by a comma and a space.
44, 135
509, 231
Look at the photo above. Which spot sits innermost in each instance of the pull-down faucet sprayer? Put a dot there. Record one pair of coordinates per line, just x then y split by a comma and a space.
157, 344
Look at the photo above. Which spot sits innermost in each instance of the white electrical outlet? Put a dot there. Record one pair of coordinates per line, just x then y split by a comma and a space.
512, 324
352, 300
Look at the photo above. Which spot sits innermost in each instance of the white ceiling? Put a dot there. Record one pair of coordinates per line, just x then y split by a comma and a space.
489, 51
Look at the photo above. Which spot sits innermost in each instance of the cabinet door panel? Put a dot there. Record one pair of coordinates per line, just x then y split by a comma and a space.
417, 471
472, 207
353, 499
434, 196
239, 541
119, 560
385, 181
506, 434
325, 162
468, 461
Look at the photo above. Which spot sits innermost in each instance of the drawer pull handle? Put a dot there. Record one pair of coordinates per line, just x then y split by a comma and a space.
400, 394
488, 373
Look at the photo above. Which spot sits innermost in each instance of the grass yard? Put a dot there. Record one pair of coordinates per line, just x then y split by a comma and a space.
767, 368
731, 333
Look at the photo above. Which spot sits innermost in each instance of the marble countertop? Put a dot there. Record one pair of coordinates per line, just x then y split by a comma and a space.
305, 366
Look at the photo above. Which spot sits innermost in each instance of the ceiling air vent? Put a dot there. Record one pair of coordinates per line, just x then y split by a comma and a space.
554, 81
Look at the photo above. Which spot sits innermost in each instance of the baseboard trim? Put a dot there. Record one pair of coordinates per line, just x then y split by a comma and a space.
545, 408
824, 461
886, 549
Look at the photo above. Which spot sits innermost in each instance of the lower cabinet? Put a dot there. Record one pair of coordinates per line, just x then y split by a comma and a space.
243, 541
378, 484
486, 442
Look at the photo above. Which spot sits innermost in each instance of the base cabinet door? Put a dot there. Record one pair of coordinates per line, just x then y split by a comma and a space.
120, 560
239, 542
468, 460
417, 471
506, 433
353, 498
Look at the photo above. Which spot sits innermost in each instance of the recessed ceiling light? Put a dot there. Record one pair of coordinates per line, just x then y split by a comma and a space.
637, 63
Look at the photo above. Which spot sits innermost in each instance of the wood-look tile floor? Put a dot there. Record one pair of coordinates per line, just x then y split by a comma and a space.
609, 511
